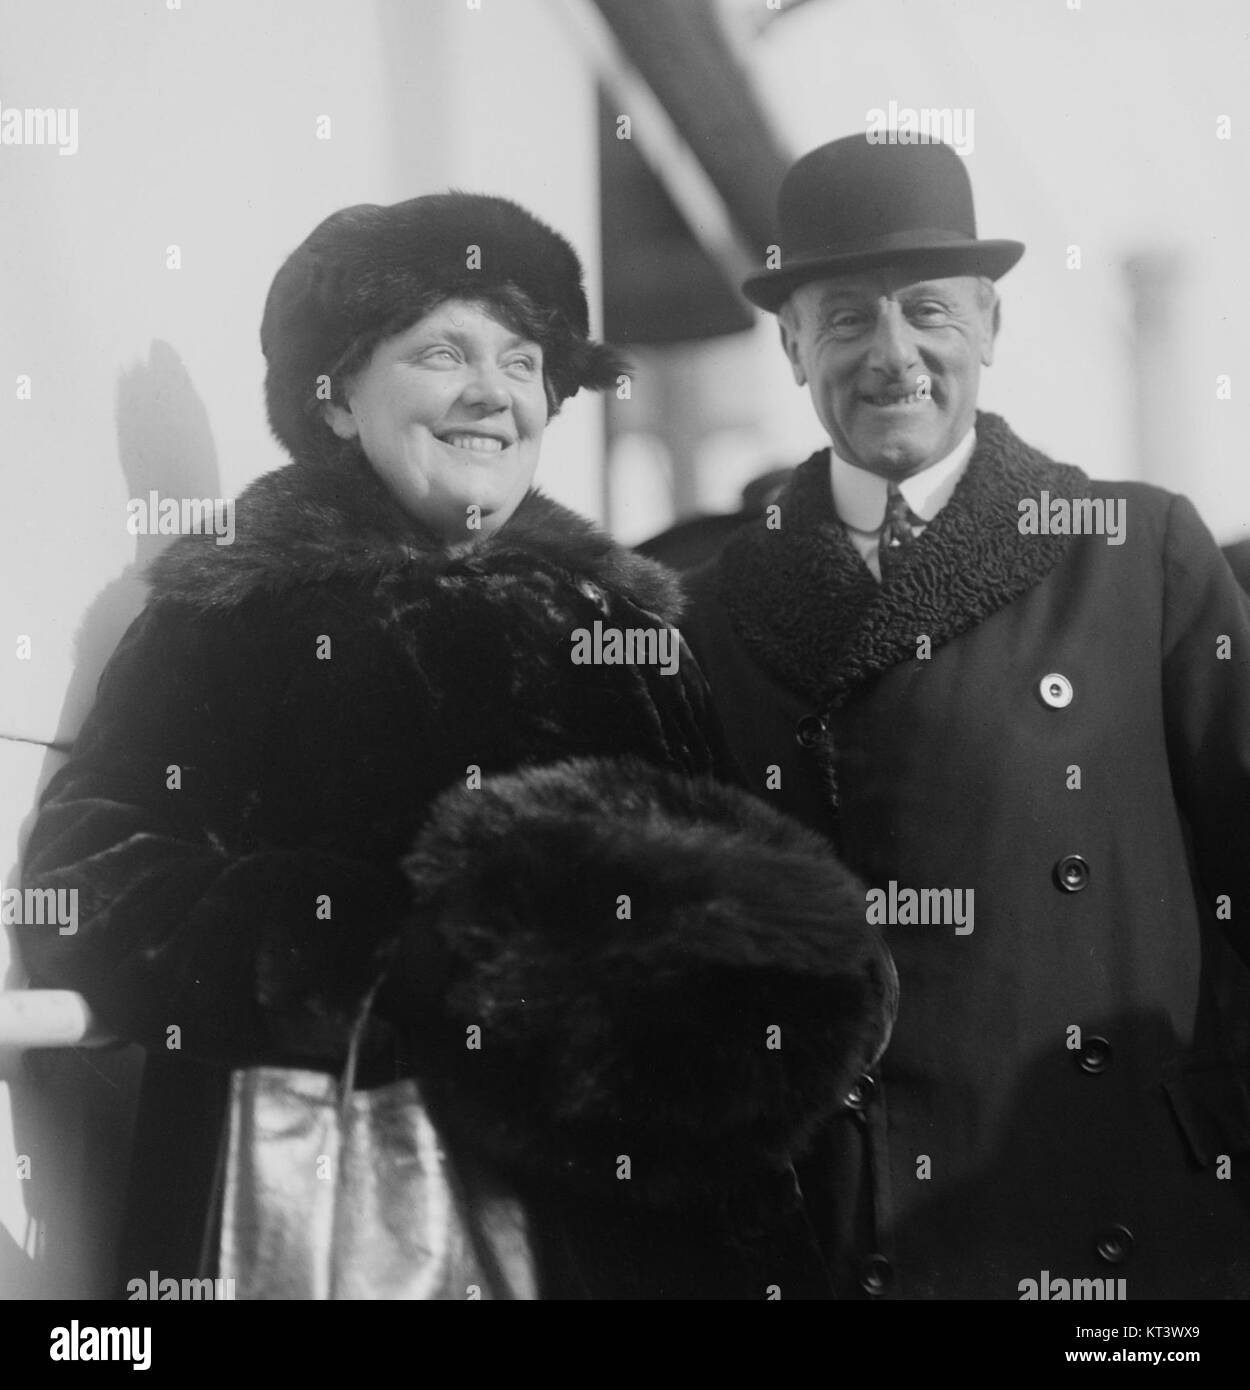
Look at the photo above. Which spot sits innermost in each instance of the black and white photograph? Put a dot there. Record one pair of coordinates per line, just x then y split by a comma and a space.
626, 665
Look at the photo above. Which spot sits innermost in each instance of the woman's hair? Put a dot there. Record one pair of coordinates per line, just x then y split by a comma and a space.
508, 303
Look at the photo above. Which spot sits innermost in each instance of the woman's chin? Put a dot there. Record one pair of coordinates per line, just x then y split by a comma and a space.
473, 514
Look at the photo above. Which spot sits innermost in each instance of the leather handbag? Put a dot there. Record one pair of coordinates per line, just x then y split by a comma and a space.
330, 1192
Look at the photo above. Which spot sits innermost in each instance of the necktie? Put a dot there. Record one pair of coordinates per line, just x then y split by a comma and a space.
897, 530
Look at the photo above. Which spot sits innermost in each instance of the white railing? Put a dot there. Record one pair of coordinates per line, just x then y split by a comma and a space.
46, 1018
62, 1127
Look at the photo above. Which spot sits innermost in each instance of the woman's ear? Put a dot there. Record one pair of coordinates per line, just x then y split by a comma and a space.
340, 419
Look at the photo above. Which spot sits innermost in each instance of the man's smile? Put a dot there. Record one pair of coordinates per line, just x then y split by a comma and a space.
895, 400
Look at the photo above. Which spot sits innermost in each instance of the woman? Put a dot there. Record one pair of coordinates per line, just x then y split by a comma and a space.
386, 651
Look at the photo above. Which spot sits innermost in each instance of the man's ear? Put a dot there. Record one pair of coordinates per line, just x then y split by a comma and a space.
340, 419
994, 321
786, 323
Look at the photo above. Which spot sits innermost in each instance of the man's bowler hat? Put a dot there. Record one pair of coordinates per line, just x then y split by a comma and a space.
853, 205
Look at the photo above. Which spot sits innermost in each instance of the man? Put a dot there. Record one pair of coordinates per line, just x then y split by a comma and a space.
1018, 703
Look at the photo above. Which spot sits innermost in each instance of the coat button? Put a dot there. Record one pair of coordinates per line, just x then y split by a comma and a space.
1072, 873
859, 1097
1114, 1245
1095, 1056
1055, 690
808, 730
876, 1274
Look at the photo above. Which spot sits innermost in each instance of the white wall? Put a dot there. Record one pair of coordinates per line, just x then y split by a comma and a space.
197, 127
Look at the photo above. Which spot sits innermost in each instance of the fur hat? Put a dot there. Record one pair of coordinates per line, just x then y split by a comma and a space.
368, 272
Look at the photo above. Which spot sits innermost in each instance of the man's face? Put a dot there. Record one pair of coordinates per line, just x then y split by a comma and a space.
451, 415
864, 344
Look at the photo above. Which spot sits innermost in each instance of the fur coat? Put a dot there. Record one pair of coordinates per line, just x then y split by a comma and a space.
336, 748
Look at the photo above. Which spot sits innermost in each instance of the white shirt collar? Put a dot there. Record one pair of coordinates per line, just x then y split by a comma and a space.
859, 496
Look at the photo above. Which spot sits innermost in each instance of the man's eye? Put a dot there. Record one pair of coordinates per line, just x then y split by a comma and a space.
928, 310
845, 323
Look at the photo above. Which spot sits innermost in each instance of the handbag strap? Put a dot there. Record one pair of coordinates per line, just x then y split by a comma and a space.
347, 1082
210, 1242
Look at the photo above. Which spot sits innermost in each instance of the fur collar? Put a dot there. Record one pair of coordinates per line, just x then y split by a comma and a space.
330, 517
806, 605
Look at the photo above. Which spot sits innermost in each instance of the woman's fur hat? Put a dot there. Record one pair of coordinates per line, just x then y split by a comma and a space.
368, 272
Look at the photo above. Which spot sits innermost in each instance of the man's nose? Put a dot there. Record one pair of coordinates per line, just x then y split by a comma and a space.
487, 387
892, 350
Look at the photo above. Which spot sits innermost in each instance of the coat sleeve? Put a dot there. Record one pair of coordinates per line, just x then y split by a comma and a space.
187, 915
1206, 688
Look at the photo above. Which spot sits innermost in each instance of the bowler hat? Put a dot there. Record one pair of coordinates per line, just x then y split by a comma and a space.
853, 204
369, 271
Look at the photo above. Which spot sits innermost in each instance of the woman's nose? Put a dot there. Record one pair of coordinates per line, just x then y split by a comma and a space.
892, 350
487, 387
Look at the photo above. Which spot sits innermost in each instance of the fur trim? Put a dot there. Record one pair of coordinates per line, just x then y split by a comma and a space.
646, 1036
373, 270
806, 605
331, 517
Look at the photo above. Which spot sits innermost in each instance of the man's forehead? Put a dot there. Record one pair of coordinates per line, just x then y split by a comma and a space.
873, 284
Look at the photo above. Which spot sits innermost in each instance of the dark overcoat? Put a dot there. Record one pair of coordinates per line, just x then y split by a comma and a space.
335, 747
1059, 726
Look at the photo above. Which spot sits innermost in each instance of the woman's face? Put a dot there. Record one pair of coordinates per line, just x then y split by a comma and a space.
450, 413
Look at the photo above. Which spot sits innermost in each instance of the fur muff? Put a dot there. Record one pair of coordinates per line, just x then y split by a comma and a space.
373, 270
660, 968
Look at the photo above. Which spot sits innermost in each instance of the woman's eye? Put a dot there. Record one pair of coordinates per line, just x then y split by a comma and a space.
438, 355
525, 364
